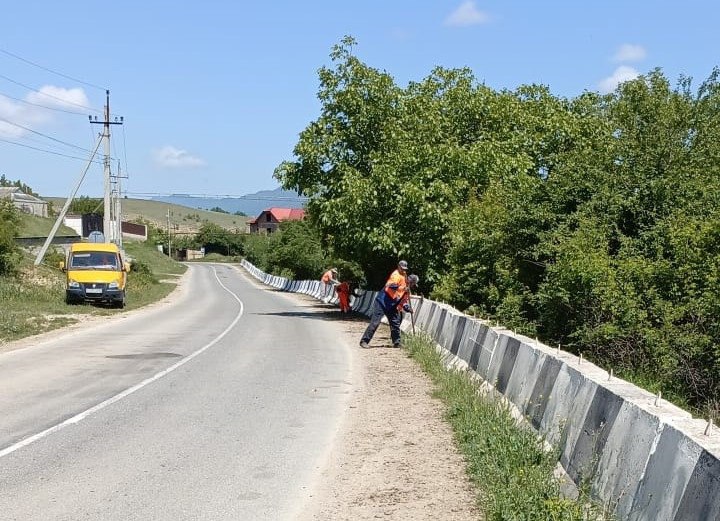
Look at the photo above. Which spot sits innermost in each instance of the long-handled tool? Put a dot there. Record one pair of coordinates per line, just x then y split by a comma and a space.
412, 311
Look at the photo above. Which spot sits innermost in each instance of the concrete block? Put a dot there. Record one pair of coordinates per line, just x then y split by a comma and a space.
668, 471
623, 460
468, 340
458, 332
361, 303
502, 362
422, 313
701, 500
540, 396
448, 330
439, 324
482, 355
433, 318
581, 458
567, 406
524, 376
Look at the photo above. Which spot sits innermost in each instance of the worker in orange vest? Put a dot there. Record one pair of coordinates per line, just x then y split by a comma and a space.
329, 279
343, 292
390, 302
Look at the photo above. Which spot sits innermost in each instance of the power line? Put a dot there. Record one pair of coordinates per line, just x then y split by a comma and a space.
44, 135
49, 95
220, 196
51, 70
46, 151
42, 106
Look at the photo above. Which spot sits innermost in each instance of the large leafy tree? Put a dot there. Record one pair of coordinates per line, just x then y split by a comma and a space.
590, 221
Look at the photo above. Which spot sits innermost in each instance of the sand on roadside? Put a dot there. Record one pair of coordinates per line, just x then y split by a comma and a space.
394, 456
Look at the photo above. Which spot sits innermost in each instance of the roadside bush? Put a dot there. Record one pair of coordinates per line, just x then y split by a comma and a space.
9, 226
53, 258
296, 249
140, 275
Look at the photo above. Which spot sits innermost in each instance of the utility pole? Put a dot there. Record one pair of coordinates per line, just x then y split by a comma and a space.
108, 230
117, 204
168, 232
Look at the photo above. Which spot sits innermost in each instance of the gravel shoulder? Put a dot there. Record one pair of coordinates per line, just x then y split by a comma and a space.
394, 456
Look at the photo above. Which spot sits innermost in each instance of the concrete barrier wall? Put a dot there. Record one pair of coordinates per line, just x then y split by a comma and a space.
645, 459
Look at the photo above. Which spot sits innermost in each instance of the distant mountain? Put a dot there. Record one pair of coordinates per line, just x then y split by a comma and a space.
250, 204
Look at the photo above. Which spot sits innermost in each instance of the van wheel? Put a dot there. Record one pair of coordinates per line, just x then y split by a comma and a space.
120, 303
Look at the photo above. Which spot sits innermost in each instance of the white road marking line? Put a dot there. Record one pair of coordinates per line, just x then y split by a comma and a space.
81, 416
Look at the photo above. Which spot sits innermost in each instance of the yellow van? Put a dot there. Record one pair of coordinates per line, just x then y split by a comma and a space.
96, 272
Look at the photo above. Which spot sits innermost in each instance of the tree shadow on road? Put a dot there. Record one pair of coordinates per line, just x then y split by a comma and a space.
320, 314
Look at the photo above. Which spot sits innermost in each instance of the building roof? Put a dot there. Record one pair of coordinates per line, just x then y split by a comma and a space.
14, 194
283, 214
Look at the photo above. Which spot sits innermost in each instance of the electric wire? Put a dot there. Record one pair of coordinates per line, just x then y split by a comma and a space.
220, 196
50, 95
44, 135
42, 106
47, 151
51, 70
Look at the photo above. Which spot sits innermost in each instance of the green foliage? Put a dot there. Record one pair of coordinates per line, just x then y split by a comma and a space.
589, 221
9, 226
218, 209
85, 205
506, 460
294, 251
217, 239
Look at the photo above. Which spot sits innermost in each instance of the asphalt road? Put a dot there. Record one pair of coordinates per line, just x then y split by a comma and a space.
220, 404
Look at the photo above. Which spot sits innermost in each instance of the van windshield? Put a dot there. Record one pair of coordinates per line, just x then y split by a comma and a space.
93, 260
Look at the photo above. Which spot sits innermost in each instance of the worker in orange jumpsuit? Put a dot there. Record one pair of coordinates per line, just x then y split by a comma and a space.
343, 292
329, 279
391, 302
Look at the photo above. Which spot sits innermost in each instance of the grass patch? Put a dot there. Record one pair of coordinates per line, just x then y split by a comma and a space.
34, 226
33, 301
507, 461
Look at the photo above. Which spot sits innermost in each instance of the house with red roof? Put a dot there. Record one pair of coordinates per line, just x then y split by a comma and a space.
269, 220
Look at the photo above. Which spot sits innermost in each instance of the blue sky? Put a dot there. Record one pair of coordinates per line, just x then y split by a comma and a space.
214, 93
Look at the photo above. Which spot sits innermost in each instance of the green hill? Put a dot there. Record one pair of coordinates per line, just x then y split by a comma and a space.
34, 226
182, 218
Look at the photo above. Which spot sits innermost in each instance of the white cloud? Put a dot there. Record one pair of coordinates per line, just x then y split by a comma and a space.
32, 116
621, 74
628, 52
466, 14
171, 157
58, 97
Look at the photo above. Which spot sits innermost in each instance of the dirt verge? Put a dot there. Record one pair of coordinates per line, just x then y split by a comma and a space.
394, 457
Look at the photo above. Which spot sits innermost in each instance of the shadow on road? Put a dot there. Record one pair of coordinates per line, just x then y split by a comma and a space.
320, 314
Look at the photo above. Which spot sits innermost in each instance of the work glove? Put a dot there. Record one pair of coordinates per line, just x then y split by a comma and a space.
407, 308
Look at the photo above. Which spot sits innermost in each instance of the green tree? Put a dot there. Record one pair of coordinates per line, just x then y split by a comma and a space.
86, 205
216, 239
9, 226
295, 251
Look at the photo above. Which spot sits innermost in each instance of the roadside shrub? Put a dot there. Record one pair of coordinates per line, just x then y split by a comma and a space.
296, 248
54, 257
140, 275
9, 226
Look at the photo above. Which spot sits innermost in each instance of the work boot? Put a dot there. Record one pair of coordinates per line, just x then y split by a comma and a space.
364, 344
398, 346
